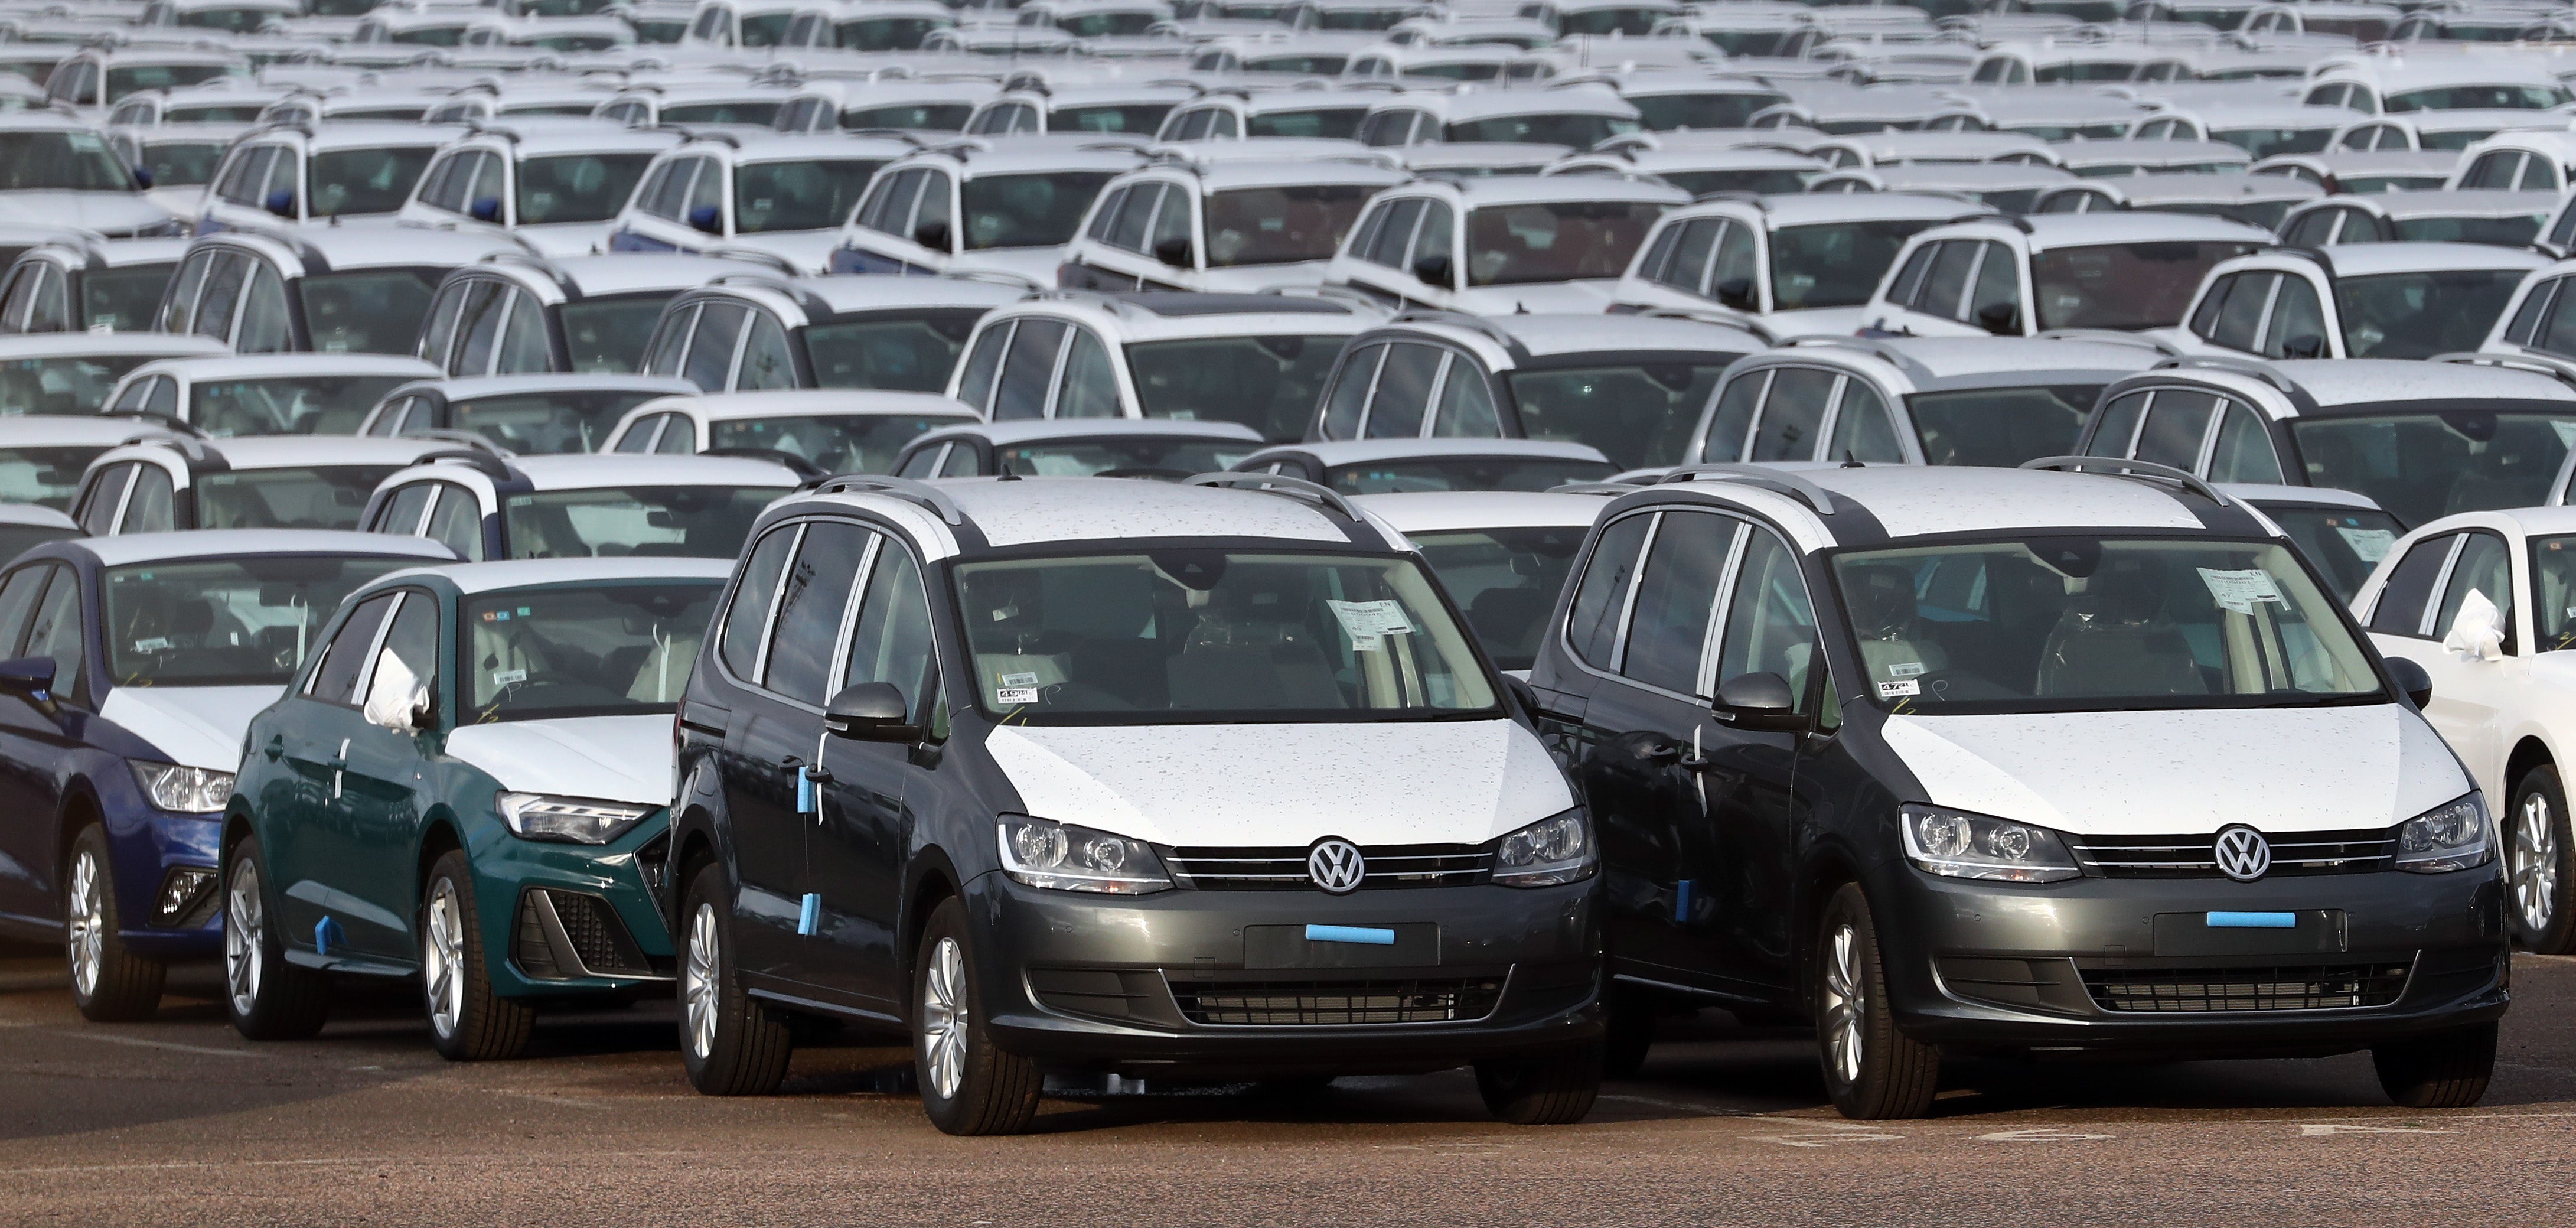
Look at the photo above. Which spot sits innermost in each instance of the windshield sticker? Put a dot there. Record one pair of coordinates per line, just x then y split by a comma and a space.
509, 677
1369, 622
1904, 669
1900, 688
158, 643
2566, 432
1015, 695
1006, 612
2369, 545
2237, 591
1019, 680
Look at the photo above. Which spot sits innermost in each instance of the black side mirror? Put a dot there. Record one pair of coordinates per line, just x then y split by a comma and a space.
143, 177
932, 234
30, 679
1759, 702
706, 219
1736, 292
2002, 319
1432, 268
871, 712
2305, 345
1174, 252
1524, 692
281, 202
2410, 677
485, 209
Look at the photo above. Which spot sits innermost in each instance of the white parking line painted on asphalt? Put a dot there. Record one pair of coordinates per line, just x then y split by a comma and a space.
2324, 1129
141, 1043
2039, 1134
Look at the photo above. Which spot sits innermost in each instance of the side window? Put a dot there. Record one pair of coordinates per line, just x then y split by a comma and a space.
2297, 328
1946, 285
962, 461
1134, 214
1687, 270
1734, 274
1403, 391
164, 398
478, 329
889, 208
2410, 586
892, 640
766, 362
712, 344
921, 464
1792, 414
1732, 416
524, 348
2240, 317
2494, 170
402, 512
1770, 626
97, 512
264, 327
148, 509
2118, 426
457, 521
443, 188
670, 339
1396, 236
1908, 281
2176, 423
1676, 597
1601, 602
413, 642
17, 602
679, 436
1174, 241
1466, 408
747, 619
1995, 302
223, 290
56, 631
1104, 214
2563, 231
1029, 370
2558, 334
1089, 388
706, 195
335, 680
976, 386
1438, 238
130, 397
51, 310
1862, 430
2314, 228
639, 437
933, 222
441, 328
2484, 567
1350, 391
810, 603
2244, 452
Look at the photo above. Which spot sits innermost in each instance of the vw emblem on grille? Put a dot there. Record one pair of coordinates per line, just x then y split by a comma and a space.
2242, 854
1336, 865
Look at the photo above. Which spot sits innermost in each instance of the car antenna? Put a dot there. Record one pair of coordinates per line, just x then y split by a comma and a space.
1008, 474
1850, 461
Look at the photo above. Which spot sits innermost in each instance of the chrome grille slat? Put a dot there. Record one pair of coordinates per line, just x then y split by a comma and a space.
2293, 853
1284, 869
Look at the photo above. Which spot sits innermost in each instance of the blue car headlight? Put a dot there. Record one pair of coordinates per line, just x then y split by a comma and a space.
182, 790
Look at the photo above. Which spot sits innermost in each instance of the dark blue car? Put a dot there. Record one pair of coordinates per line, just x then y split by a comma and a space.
129, 667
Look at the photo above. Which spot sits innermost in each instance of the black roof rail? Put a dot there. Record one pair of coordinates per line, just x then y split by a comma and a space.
170, 424
805, 470
2558, 369
1778, 481
1280, 484
480, 461
2132, 469
1482, 325
906, 489
2225, 362
1875, 347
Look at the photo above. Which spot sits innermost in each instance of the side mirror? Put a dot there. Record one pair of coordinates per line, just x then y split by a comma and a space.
2305, 345
2002, 319
871, 712
2412, 679
1736, 292
1433, 268
30, 679
143, 177
705, 218
932, 235
1174, 252
1524, 692
281, 202
485, 209
1758, 702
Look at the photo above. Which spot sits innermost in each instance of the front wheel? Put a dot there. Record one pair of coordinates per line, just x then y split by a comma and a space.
109, 983
2448, 1070
1872, 1070
730, 1044
2542, 862
1542, 1089
467, 1021
267, 997
968, 1085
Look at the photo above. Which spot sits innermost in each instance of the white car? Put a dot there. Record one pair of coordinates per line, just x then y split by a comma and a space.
1503, 556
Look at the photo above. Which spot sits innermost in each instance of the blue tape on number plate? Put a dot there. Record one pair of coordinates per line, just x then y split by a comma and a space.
809, 919
1350, 933
2254, 920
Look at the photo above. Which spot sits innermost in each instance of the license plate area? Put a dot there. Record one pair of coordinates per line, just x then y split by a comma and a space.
1416, 945
2312, 931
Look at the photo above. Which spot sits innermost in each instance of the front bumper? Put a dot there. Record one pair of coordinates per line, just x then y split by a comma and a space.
2084, 966
575, 918
143, 851
1180, 982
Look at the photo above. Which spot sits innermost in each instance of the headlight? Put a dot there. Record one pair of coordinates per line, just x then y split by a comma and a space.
1956, 844
2446, 838
571, 820
184, 790
1063, 857
1553, 851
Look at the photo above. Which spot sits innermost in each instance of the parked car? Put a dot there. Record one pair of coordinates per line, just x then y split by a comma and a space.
87, 285
834, 431
748, 333
1502, 244
1075, 447
1502, 556
73, 373
329, 289
2026, 276
160, 483
999, 206
1390, 466
269, 394
303, 173
572, 507
2506, 219
524, 415
2372, 300
1799, 265
785, 194
515, 314
42, 456
554, 187
1235, 225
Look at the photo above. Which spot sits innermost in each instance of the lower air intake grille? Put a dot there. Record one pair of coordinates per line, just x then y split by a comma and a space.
1405, 865
587, 939
1277, 1004
2204, 990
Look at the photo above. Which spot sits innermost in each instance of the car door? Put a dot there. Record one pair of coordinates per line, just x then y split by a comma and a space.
303, 828
2401, 618
32, 741
2471, 692
855, 852
767, 740
379, 803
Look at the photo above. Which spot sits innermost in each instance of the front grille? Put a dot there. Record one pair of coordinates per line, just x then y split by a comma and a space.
1398, 865
2205, 990
2293, 854
1338, 1003
597, 935
592, 940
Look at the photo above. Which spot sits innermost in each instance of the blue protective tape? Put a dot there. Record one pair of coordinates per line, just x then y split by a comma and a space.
1351, 933
810, 918
804, 792
2254, 920
326, 935
1681, 901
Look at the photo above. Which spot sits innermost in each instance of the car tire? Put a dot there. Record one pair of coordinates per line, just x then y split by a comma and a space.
1872, 1070
467, 1021
110, 984
969, 1085
1555, 1088
730, 1044
2540, 860
1630, 1033
2447, 1070
266, 997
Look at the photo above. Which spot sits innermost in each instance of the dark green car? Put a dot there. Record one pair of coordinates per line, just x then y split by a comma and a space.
470, 780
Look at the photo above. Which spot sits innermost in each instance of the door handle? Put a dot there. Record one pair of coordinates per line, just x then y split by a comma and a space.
276, 746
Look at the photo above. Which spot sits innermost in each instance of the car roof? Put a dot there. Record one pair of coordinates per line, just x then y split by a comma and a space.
126, 548
1028, 511
2262, 493
1227, 174
74, 430
471, 387
854, 292
502, 574
586, 471
809, 402
1034, 430
1550, 334
64, 345
1436, 511
1934, 363
323, 249
1365, 451
2147, 190
625, 272
2364, 259
1799, 209
270, 366
2048, 231
1548, 189
1930, 500
2356, 381
2452, 202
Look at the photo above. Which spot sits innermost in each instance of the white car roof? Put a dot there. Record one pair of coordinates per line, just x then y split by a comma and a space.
589, 471
36, 515
2355, 381
809, 402
1031, 510
72, 430
2261, 493
1044, 429
66, 345
1364, 451
2365, 259
472, 387
1438, 511
276, 366
126, 548
501, 574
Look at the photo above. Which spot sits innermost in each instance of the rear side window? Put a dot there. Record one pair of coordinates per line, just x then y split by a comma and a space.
1592, 624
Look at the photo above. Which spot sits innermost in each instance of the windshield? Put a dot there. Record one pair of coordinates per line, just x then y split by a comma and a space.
1505, 581
907, 355
1465, 70
1267, 383
60, 161
2265, 142
1342, 123
1637, 415
1083, 458
317, 497
1557, 241
2498, 231
752, 114
1578, 131
2000, 427
928, 116
2418, 315
2074, 624
45, 476
1463, 473
1103, 25
1143, 118
73, 385
2479, 98
884, 33
546, 423
2125, 286
608, 334
837, 443
179, 164
577, 187
230, 21
613, 650
302, 405
352, 181
122, 300
700, 522
1834, 264
1027, 210
2430, 463
125, 80
812, 195
1766, 181
1215, 636
2342, 543
1248, 226
229, 622
1666, 112
2361, 184
374, 312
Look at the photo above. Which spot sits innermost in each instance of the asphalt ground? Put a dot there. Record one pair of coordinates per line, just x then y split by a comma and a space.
179, 1121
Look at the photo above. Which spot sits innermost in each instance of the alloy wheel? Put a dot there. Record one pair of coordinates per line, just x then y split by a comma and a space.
243, 933
698, 985
88, 929
2535, 862
443, 958
1843, 1005
943, 1017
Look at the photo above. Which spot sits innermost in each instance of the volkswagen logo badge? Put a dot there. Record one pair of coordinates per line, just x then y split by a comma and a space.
1336, 865
2242, 854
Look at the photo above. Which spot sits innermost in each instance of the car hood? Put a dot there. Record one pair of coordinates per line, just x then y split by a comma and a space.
192, 726
1580, 297
109, 213
2184, 772
810, 251
1813, 322
614, 758
1257, 278
1036, 265
1284, 786
181, 202
563, 238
